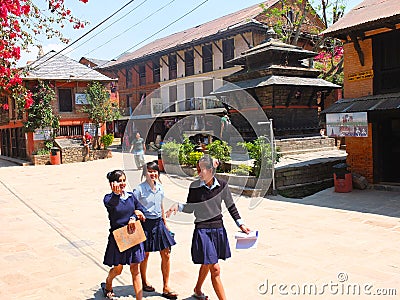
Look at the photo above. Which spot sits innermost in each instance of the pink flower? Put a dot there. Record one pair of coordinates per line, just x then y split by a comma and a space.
5, 106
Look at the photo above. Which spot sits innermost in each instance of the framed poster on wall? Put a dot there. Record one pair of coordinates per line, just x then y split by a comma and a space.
347, 124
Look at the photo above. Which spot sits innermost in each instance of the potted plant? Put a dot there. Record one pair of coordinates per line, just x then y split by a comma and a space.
260, 151
107, 140
221, 151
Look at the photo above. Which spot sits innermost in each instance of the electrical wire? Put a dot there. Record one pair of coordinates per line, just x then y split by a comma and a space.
134, 25
81, 37
119, 19
162, 29
157, 32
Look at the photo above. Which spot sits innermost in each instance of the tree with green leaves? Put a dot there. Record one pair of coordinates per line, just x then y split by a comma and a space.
292, 17
22, 25
40, 113
100, 108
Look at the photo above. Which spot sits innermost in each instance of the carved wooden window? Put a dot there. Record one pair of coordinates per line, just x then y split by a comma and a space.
228, 51
207, 58
386, 48
189, 63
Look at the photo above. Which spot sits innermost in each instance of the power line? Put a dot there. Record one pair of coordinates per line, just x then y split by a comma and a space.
134, 25
119, 19
81, 37
162, 29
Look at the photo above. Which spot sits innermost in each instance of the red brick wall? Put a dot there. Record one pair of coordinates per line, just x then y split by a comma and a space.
352, 65
360, 155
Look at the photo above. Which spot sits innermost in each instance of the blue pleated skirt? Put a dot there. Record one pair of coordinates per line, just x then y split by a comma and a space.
157, 235
114, 257
209, 245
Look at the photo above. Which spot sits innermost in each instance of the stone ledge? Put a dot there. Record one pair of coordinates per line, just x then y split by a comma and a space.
16, 160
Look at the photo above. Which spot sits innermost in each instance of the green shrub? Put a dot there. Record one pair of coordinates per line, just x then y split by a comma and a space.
170, 152
186, 148
107, 140
260, 151
43, 151
220, 150
194, 158
46, 148
241, 169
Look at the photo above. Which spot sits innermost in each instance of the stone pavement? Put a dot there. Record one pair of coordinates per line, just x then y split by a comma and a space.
54, 230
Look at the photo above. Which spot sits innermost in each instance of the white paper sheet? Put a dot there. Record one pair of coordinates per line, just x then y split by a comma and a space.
246, 241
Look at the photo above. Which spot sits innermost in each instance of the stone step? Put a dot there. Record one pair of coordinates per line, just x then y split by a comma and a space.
245, 191
16, 160
300, 151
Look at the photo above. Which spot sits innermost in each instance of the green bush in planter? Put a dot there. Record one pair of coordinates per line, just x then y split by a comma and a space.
260, 151
194, 158
46, 149
42, 152
107, 140
220, 150
186, 148
242, 169
170, 152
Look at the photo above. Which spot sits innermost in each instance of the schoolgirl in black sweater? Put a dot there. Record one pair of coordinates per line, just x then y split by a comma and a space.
210, 241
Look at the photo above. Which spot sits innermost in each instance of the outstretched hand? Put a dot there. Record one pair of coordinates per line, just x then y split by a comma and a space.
172, 210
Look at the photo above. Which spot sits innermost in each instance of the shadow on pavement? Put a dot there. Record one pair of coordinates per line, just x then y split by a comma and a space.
386, 203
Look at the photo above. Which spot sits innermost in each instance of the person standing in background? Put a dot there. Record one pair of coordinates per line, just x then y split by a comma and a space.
225, 127
138, 147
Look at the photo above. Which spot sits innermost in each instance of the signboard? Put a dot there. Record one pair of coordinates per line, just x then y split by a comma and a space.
81, 99
42, 134
91, 128
361, 75
347, 124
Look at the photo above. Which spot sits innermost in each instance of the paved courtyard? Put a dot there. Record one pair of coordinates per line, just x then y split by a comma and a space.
54, 230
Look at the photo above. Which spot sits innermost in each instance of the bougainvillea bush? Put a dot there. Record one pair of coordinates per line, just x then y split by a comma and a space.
21, 22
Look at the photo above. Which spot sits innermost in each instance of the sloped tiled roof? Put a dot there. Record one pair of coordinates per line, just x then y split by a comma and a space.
368, 103
274, 80
61, 67
97, 62
231, 21
368, 15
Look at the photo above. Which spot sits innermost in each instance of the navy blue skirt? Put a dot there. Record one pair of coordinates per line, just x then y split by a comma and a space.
209, 245
114, 257
157, 235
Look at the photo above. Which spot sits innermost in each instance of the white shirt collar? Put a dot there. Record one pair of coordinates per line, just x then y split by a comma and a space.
214, 185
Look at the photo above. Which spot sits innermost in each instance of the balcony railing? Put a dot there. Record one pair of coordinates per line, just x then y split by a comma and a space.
160, 107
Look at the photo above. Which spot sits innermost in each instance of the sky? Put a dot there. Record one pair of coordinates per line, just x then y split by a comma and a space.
144, 22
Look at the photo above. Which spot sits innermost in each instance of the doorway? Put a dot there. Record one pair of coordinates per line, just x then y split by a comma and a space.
389, 150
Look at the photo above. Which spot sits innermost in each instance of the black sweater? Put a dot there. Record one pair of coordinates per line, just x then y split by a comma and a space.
207, 204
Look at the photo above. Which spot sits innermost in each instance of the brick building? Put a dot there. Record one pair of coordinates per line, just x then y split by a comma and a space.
371, 36
173, 77
69, 79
